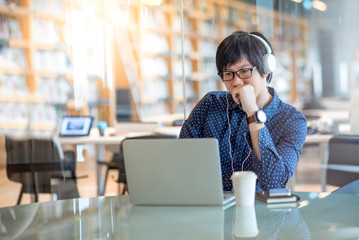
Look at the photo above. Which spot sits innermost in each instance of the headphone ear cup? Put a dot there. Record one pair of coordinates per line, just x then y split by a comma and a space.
269, 60
270, 63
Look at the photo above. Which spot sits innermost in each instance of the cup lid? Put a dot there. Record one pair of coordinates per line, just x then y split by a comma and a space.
244, 174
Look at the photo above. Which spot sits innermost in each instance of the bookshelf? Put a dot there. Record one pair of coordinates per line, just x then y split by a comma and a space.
153, 64
37, 77
146, 53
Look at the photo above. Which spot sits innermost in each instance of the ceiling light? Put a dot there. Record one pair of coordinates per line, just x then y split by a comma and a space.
319, 5
152, 2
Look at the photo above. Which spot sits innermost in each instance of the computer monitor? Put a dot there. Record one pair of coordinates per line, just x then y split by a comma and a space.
72, 126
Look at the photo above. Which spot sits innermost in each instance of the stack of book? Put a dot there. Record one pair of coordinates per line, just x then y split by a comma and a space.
270, 199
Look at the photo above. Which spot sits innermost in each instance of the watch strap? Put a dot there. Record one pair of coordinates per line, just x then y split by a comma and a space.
251, 119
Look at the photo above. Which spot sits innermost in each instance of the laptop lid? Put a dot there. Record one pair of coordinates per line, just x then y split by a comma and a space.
72, 126
173, 171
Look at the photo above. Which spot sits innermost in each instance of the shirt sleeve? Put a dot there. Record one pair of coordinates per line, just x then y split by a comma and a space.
279, 159
193, 124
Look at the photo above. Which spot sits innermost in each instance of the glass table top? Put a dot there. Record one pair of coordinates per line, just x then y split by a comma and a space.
316, 216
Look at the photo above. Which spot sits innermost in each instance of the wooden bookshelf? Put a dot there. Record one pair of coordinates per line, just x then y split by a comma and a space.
206, 24
146, 50
48, 55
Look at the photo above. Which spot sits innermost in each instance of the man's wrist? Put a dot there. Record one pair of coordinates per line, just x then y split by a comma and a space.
252, 112
258, 117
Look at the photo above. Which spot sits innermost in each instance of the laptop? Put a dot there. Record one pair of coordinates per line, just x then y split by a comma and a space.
174, 172
74, 126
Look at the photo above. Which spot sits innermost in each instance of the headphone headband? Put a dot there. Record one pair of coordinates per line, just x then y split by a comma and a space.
269, 50
268, 59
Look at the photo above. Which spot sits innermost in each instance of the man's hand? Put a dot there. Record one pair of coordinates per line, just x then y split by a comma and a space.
245, 95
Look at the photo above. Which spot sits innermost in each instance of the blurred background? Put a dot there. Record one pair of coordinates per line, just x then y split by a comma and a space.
152, 60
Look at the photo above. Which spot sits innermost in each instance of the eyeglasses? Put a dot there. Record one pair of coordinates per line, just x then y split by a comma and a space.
241, 73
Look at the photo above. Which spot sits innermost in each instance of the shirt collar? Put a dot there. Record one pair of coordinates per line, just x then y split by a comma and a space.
273, 106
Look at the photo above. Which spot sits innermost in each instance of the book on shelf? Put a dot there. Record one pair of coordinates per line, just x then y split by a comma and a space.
207, 48
187, 46
265, 197
14, 28
154, 43
45, 31
13, 57
154, 67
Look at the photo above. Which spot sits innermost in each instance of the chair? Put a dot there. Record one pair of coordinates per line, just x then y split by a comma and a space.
118, 163
354, 113
41, 167
351, 188
343, 160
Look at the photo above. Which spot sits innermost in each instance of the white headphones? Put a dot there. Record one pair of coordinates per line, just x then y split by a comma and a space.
269, 60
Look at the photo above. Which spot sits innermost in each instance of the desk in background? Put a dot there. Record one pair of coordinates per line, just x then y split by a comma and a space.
318, 216
100, 141
339, 116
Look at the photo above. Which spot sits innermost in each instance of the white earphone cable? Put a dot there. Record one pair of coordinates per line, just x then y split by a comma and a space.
246, 159
229, 140
229, 135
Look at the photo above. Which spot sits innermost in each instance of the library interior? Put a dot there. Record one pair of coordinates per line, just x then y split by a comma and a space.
80, 77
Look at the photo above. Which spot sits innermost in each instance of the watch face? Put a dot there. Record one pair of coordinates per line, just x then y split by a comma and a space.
261, 116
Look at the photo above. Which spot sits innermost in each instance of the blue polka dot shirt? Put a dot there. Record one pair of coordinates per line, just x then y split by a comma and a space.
280, 141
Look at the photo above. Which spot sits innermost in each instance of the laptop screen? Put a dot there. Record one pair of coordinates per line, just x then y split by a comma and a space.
75, 126
183, 171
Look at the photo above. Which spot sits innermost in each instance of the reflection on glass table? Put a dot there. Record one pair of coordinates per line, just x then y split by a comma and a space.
317, 216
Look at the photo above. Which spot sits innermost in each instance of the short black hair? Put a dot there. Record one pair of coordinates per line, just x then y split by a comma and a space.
240, 45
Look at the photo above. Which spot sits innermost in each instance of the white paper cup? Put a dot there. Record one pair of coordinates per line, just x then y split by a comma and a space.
244, 187
246, 222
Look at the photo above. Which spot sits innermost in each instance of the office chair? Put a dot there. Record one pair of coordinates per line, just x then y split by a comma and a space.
343, 160
40, 168
118, 163
351, 188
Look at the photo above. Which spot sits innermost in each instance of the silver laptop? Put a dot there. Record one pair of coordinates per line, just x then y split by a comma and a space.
174, 172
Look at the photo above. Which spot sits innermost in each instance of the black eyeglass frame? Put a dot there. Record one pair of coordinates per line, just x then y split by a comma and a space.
220, 74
